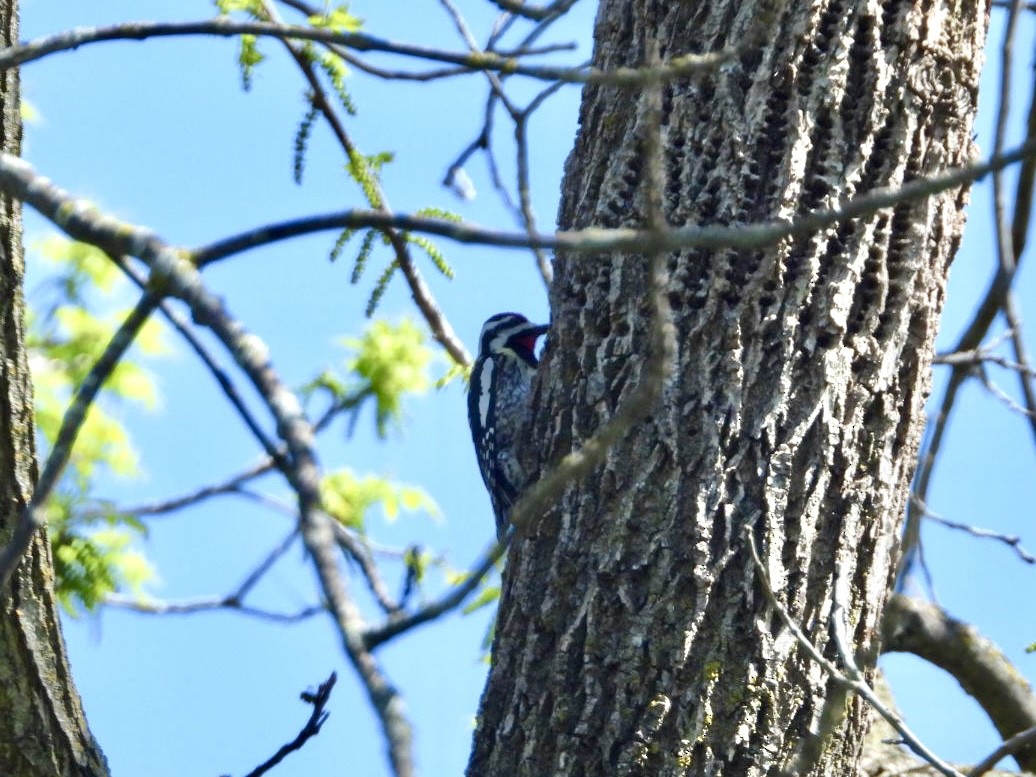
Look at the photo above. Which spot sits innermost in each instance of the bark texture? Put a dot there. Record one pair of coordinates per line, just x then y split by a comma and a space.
43, 732
633, 637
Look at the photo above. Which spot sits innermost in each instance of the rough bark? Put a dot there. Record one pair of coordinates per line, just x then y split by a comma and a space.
633, 636
43, 732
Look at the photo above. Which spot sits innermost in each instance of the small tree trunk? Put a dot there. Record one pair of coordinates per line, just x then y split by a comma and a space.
43, 732
633, 636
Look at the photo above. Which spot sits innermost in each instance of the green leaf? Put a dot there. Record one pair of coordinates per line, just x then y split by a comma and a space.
390, 360
380, 288
252, 7
339, 19
349, 498
337, 71
486, 596
91, 563
248, 58
302, 142
433, 252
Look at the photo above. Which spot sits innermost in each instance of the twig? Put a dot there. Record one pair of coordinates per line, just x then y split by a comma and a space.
359, 553
232, 485
1012, 541
181, 325
852, 679
536, 12
1011, 746
311, 729
207, 604
1005, 398
520, 118
979, 356
408, 75
992, 303
1008, 254
395, 625
1010, 3
234, 600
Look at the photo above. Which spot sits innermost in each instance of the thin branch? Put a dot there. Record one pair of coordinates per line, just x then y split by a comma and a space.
264, 566
535, 12
1005, 398
661, 346
207, 604
678, 67
992, 303
1008, 254
33, 516
979, 357
852, 679
408, 75
521, 126
395, 625
358, 552
15, 174
422, 295
981, 668
520, 118
181, 325
232, 485
1011, 746
1012, 541
311, 729
232, 601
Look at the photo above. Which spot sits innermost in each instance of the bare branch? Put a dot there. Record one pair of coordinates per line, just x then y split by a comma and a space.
536, 12
1008, 253
399, 624
593, 239
992, 303
983, 671
311, 729
181, 325
852, 679
232, 485
207, 604
677, 67
1011, 746
358, 551
1011, 541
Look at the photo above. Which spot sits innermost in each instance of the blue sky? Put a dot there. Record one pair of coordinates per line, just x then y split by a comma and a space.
160, 134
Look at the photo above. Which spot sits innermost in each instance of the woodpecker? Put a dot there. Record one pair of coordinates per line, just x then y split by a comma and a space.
498, 406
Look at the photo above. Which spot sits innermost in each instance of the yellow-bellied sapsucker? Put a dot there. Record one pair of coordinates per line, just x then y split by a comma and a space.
498, 406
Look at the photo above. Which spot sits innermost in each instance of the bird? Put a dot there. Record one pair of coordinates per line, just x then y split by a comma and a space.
499, 398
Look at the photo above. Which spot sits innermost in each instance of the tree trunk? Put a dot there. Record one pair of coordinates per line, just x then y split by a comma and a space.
43, 732
633, 635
